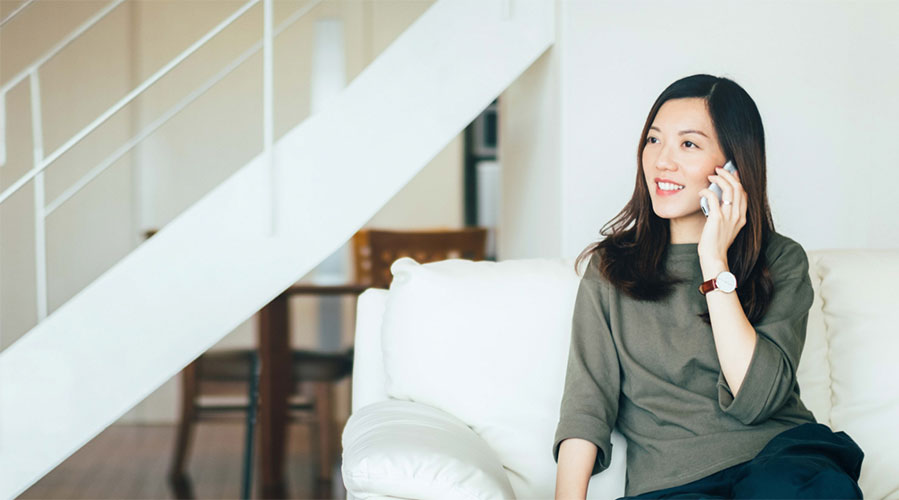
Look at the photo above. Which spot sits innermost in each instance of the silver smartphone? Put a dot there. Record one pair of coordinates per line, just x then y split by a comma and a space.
703, 203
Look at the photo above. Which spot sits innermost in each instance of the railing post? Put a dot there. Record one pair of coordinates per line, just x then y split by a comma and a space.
40, 235
268, 133
2, 128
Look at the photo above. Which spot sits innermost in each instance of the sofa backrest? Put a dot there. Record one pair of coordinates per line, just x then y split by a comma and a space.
859, 317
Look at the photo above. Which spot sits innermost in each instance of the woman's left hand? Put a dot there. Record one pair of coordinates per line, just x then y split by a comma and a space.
724, 221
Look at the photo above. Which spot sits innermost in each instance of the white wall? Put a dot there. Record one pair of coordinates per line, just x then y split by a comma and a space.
530, 214
823, 76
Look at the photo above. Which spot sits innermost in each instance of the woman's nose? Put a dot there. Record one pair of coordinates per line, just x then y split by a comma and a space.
664, 161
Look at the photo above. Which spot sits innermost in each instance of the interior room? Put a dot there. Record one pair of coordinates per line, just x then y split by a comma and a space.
220, 219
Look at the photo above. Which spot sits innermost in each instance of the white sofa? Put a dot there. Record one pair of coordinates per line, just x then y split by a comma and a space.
459, 370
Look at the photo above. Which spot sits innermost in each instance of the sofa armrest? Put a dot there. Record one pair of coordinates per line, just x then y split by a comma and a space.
406, 449
369, 378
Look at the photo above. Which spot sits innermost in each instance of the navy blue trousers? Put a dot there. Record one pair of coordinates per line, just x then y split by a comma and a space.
806, 461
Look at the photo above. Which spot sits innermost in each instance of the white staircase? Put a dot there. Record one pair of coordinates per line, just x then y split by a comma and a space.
218, 263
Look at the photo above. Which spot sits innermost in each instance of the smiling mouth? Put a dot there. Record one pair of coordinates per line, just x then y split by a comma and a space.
668, 191
661, 193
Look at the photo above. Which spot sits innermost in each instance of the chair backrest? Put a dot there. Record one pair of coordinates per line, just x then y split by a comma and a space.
374, 250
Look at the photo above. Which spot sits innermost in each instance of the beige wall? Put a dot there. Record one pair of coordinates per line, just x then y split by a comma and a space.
187, 157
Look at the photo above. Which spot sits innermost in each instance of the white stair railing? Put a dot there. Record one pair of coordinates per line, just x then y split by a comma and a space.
217, 263
41, 163
33, 68
15, 12
56, 48
172, 112
31, 72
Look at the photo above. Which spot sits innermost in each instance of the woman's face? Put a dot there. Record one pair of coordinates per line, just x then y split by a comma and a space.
681, 148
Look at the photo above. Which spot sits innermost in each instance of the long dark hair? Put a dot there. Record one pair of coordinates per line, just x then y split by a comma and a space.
633, 253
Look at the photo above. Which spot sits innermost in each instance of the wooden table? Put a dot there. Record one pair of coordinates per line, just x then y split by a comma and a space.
275, 381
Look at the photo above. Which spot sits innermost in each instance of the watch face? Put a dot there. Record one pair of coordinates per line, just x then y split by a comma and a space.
726, 281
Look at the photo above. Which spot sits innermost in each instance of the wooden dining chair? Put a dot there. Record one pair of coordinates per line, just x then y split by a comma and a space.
374, 250
229, 371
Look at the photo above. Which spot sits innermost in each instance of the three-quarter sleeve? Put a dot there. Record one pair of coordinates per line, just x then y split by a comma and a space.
589, 406
771, 376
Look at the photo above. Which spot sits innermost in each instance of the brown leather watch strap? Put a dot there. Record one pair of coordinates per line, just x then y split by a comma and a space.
707, 286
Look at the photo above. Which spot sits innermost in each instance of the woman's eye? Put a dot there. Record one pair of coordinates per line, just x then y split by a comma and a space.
650, 139
688, 142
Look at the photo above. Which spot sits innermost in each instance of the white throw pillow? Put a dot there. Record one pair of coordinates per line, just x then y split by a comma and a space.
488, 343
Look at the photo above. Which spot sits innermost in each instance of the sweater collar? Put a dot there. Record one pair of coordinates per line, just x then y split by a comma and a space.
683, 249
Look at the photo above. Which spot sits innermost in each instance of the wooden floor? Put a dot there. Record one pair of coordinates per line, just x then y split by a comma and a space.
131, 461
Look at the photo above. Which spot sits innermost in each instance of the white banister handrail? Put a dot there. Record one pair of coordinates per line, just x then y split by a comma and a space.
14, 13
171, 112
100, 14
124, 101
268, 133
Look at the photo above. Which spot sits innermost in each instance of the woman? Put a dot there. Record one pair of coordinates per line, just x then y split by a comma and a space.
701, 380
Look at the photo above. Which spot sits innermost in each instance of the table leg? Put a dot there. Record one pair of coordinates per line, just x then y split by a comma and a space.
274, 389
325, 413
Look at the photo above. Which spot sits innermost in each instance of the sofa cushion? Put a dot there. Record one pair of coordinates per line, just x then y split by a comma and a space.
404, 449
491, 345
861, 313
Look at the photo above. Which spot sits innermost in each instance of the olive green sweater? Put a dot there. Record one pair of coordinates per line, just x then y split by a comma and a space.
651, 371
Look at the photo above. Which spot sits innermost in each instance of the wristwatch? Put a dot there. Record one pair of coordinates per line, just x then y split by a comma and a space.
725, 281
